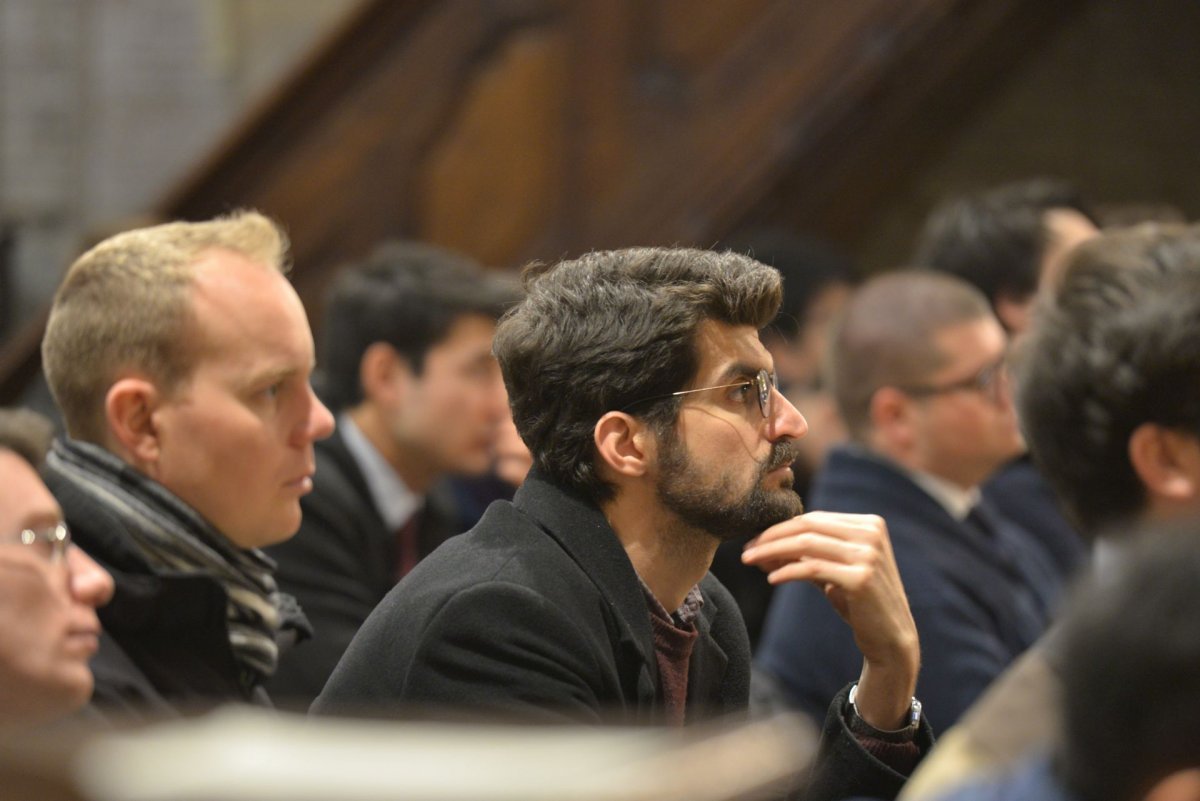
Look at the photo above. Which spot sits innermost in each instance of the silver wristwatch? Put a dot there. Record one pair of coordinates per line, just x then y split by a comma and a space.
914, 714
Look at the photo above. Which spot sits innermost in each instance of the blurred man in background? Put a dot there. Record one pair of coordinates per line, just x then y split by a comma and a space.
1011, 242
407, 365
1108, 389
919, 372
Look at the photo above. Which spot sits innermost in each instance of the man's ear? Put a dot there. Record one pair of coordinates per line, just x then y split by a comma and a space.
1014, 312
1183, 785
624, 444
129, 407
890, 412
1166, 461
384, 374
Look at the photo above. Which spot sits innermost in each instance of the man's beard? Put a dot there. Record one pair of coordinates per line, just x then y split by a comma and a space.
714, 509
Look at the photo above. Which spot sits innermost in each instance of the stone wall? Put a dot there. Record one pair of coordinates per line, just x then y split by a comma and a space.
105, 103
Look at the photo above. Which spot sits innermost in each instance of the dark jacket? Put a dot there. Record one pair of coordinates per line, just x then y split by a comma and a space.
166, 641
1020, 492
537, 614
978, 600
340, 565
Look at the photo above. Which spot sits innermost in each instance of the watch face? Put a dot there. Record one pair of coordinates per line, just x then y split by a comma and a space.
914, 717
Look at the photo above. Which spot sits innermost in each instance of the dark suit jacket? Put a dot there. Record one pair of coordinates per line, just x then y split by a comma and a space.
1020, 493
537, 614
977, 603
1018, 718
340, 565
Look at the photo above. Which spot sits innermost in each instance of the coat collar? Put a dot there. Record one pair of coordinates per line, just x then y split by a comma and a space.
581, 529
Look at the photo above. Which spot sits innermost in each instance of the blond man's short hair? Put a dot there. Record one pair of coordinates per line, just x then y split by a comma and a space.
124, 306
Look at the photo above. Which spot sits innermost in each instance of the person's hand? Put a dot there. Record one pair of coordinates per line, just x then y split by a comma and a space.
849, 556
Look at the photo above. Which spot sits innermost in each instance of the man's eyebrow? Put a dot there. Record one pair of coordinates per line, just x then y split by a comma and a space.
271, 375
41, 519
739, 371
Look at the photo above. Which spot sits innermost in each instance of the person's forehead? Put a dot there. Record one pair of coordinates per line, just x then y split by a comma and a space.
1070, 224
468, 332
24, 499
228, 280
243, 310
973, 342
721, 346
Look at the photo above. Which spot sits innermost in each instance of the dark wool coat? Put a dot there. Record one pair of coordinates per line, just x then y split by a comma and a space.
537, 614
166, 641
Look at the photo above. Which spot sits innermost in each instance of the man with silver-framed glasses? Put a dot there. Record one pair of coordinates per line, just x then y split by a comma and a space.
639, 383
49, 589
918, 372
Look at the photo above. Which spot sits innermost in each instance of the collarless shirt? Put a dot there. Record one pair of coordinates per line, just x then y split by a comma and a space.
393, 499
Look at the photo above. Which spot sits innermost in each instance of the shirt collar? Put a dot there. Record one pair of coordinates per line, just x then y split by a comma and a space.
957, 502
687, 612
393, 499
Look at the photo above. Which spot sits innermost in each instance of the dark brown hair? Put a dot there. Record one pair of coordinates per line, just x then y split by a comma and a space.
610, 329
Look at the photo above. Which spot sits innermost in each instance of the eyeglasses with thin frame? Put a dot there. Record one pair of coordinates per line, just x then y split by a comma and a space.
987, 381
51, 541
764, 384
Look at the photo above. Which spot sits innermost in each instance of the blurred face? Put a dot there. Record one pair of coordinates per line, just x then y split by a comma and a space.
965, 433
798, 362
726, 468
235, 439
48, 624
453, 410
1065, 229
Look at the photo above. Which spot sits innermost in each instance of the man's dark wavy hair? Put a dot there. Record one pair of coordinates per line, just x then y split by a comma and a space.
409, 295
1129, 649
1117, 346
995, 238
609, 329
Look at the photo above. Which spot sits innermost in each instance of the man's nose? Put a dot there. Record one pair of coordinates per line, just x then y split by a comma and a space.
90, 583
786, 421
319, 424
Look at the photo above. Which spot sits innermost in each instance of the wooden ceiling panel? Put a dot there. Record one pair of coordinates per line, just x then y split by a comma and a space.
518, 129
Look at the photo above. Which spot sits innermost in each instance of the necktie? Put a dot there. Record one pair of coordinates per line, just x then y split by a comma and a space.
408, 547
1032, 613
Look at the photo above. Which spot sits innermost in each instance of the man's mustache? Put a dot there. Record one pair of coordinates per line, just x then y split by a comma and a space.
782, 455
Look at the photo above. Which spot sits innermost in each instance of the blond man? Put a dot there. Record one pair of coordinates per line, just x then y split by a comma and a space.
180, 357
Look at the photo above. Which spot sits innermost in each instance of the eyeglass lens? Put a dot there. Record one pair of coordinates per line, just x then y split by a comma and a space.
764, 382
50, 541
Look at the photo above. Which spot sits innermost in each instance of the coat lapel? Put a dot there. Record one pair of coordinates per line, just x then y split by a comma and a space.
581, 529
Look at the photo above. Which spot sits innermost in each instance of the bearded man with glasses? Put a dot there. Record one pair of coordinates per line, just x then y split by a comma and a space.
49, 589
639, 383
919, 375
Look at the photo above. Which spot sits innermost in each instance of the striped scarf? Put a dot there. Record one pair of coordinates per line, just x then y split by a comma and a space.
174, 538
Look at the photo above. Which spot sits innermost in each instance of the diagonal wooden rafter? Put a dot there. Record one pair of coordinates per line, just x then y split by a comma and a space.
814, 110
